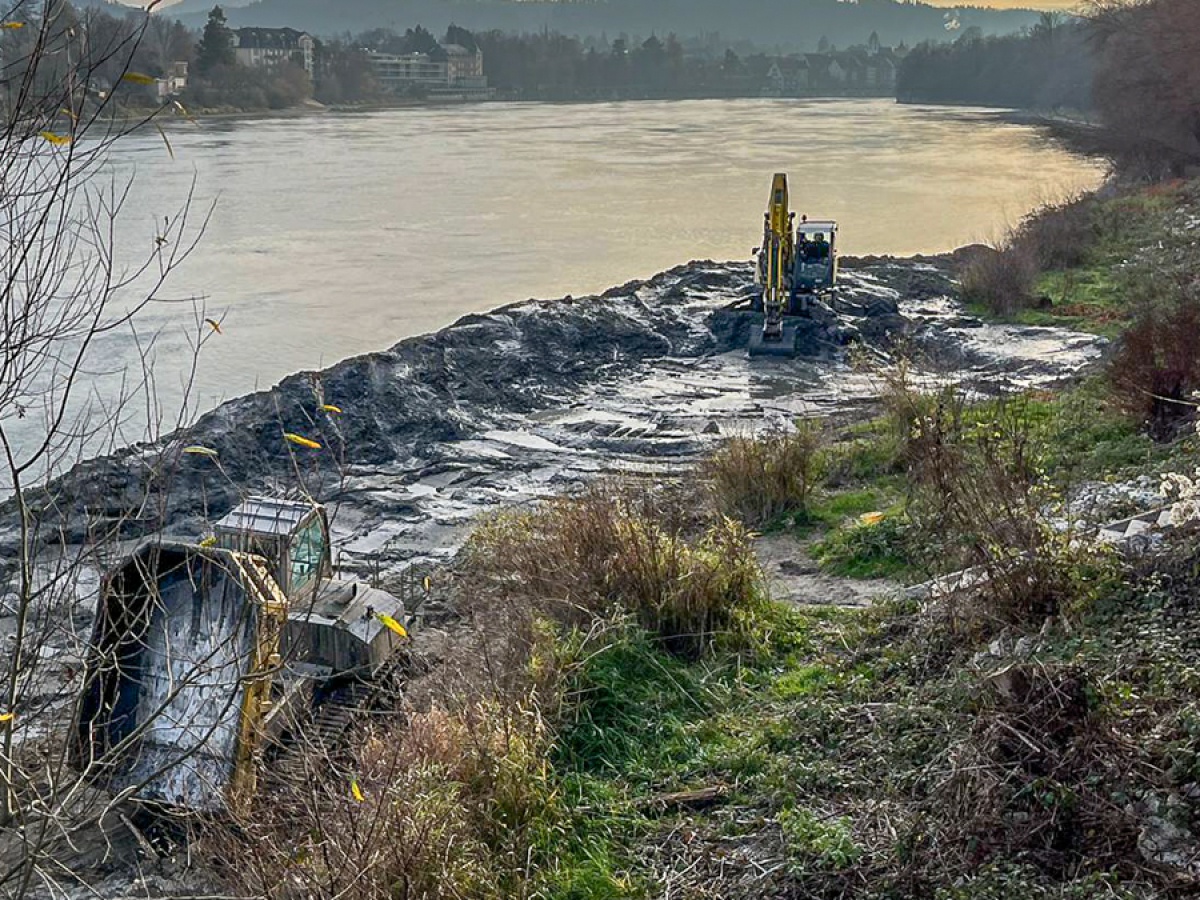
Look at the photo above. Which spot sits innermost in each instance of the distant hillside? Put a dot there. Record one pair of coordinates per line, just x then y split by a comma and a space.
797, 24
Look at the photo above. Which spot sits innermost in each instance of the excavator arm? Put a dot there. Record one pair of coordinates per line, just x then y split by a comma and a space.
777, 259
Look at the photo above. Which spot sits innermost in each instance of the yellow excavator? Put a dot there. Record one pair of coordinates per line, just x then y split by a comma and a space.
795, 263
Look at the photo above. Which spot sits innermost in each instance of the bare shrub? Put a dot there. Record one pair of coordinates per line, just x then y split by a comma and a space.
451, 803
575, 559
1059, 235
978, 500
1002, 281
758, 479
1055, 236
1155, 370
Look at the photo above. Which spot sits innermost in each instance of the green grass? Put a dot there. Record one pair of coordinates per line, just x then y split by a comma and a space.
843, 720
861, 550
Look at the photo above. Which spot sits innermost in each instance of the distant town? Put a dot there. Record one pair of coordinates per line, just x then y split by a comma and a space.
246, 69
383, 65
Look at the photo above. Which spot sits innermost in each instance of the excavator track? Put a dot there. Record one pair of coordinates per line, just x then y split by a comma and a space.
333, 721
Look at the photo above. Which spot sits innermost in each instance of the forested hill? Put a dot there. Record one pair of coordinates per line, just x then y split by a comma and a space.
790, 24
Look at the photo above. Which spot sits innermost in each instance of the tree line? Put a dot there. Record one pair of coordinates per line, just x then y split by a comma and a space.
1050, 66
1133, 65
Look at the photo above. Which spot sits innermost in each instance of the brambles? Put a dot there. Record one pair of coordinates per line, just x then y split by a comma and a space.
1156, 370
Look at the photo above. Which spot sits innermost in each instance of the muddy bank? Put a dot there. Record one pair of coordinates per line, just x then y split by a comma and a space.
534, 397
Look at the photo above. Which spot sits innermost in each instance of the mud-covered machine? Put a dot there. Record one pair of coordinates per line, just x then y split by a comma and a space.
796, 264
203, 655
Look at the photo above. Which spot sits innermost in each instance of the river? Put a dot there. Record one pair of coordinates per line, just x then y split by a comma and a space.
337, 234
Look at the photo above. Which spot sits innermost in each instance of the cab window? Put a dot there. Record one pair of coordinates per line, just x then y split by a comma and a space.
308, 549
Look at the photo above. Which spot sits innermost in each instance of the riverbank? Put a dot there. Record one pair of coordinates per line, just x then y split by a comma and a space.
647, 374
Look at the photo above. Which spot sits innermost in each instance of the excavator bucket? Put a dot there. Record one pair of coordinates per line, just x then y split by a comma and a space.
785, 346
184, 647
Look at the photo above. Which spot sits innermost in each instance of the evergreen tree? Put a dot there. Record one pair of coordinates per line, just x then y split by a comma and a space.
216, 45
462, 37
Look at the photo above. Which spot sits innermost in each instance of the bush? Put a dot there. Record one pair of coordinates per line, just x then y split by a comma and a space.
979, 499
758, 479
1059, 235
1056, 236
1003, 280
582, 558
445, 805
1155, 371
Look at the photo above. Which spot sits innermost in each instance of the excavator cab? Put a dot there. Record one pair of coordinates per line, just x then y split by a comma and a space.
816, 258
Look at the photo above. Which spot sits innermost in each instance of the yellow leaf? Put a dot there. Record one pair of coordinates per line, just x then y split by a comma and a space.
197, 450
13, 25
210, 541
427, 584
214, 325
7, 717
871, 518
300, 441
330, 408
137, 78
57, 140
356, 791
392, 624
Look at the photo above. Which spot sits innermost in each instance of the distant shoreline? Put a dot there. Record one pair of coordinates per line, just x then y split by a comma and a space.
317, 109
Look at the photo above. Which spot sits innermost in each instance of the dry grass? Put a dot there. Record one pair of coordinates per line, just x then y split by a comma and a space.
1056, 236
606, 551
1002, 281
758, 479
447, 804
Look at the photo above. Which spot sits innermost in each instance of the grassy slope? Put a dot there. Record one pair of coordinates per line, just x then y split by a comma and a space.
1126, 240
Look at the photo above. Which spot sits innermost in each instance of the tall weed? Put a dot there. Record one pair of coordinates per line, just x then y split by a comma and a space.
758, 479
579, 558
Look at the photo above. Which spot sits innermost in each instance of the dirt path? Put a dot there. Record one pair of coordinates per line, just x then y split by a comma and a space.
794, 577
